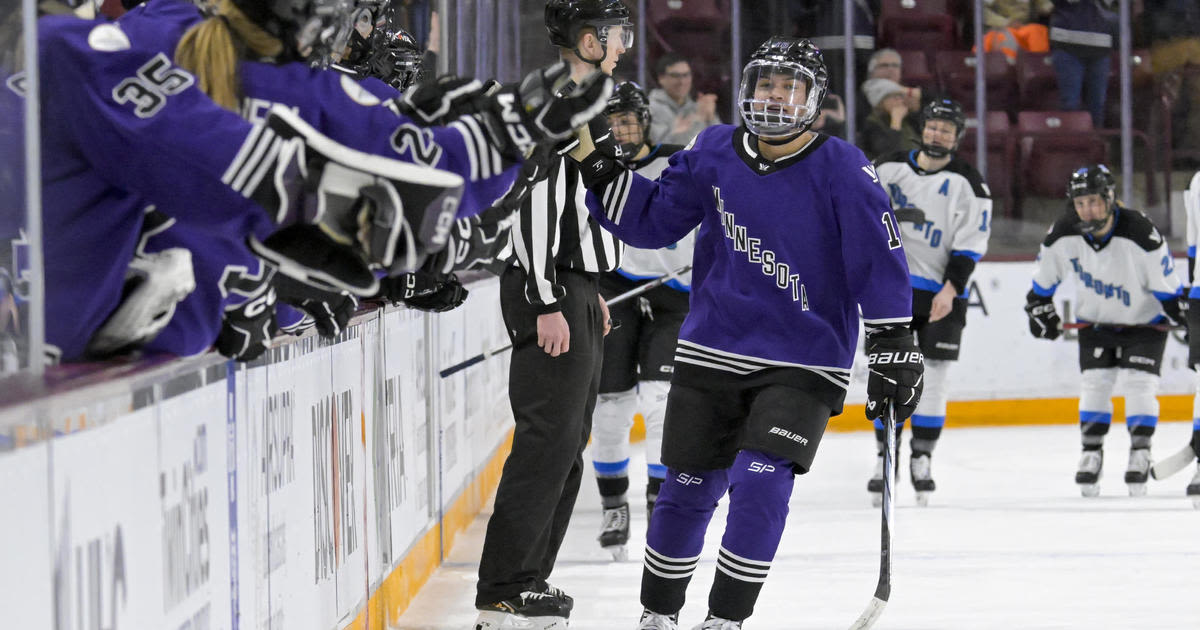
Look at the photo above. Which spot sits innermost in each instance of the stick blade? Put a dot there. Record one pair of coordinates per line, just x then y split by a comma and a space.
1173, 463
870, 615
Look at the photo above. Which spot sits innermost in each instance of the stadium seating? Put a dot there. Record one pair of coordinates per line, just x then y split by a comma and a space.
956, 72
917, 25
1000, 154
1052, 144
1037, 81
916, 70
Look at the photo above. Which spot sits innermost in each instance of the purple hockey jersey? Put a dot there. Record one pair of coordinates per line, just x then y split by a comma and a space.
786, 255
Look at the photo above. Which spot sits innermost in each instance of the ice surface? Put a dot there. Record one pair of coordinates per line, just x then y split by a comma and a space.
1006, 542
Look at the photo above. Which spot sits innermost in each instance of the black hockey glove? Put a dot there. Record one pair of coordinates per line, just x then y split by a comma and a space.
534, 169
604, 140
331, 312
1044, 322
1176, 310
440, 101
532, 113
247, 329
425, 291
897, 371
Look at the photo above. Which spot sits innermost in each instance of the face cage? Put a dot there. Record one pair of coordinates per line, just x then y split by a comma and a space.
630, 149
1089, 227
323, 34
938, 152
766, 124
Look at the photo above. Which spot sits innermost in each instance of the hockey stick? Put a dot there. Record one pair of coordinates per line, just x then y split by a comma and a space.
632, 293
1174, 463
883, 589
1162, 327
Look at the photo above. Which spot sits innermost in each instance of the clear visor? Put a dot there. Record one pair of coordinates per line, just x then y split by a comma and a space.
622, 31
776, 99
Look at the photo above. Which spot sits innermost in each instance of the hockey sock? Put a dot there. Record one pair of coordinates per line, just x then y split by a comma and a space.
1141, 407
685, 505
613, 489
925, 433
1095, 406
760, 485
880, 437
653, 484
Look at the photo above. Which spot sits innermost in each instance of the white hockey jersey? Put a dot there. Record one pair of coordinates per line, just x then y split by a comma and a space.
644, 264
1118, 280
1191, 203
957, 209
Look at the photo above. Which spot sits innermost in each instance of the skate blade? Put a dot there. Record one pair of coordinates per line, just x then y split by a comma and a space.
489, 620
620, 553
923, 499
1137, 489
876, 499
1089, 489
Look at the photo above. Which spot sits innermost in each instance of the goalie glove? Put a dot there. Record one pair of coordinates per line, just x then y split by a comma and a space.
330, 312
543, 109
896, 371
248, 328
1044, 322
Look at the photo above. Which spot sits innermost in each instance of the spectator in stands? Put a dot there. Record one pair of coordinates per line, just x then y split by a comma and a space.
1011, 25
1173, 27
883, 71
1082, 36
832, 119
675, 116
892, 124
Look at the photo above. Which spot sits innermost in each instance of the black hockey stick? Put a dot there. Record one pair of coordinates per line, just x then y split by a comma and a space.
1173, 463
632, 293
883, 589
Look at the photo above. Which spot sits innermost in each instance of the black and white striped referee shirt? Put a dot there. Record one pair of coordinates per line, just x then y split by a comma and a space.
554, 231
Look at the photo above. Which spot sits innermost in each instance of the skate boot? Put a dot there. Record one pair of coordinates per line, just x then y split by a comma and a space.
717, 623
530, 610
1193, 489
565, 601
614, 532
875, 484
922, 477
655, 621
1088, 475
1138, 471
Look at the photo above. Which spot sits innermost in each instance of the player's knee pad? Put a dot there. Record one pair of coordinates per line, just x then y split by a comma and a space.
611, 422
698, 490
935, 394
761, 483
652, 400
1141, 403
684, 506
1096, 388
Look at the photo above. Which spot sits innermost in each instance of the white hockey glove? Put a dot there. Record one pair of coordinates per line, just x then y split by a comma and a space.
154, 284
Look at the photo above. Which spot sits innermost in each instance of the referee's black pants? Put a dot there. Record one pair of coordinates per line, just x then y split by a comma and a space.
552, 400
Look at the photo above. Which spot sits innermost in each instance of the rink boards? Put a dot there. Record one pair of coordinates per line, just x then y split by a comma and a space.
318, 488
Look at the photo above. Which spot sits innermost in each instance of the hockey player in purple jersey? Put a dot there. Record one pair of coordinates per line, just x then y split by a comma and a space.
216, 172
797, 237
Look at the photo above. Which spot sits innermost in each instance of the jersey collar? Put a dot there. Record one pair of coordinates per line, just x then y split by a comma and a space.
743, 146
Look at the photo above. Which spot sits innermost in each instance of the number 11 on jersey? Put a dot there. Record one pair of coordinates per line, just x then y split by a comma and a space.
889, 223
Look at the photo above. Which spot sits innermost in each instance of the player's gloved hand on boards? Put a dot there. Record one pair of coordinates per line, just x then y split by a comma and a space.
1044, 322
247, 329
330, 311
425, 291
896, 371
537, 111
440, 101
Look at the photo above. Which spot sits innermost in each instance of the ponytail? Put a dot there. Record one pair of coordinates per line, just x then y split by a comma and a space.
211, 50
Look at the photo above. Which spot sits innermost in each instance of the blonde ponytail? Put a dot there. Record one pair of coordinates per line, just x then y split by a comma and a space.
211, 51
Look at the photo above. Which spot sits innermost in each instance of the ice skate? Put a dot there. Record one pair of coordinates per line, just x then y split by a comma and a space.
655, 621
717, 623
528, 611
1138, 471
922, 477
614, 532
875, 485
1088, 475
1193, 489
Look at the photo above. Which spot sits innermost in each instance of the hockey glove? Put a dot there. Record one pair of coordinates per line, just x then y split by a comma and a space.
154, 284
443, 99
247, 329
331, 312
604, 140
1176, 310
1044, 322
538, 112
426, 292
897, 371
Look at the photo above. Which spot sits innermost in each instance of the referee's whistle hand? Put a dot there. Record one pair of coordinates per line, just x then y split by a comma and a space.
554, 336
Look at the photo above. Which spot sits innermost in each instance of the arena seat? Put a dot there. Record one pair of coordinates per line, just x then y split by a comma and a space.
1037, 82
1051, 145
1000, 154
956, 73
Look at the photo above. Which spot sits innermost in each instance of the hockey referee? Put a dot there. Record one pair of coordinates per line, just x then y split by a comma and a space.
557, 321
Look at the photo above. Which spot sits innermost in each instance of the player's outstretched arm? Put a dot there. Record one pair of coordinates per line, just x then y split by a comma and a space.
641, 212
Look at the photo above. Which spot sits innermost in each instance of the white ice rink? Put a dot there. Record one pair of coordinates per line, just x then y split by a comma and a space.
1006, 543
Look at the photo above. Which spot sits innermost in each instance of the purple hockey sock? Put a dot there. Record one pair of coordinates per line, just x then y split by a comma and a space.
760, 486
685, 505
